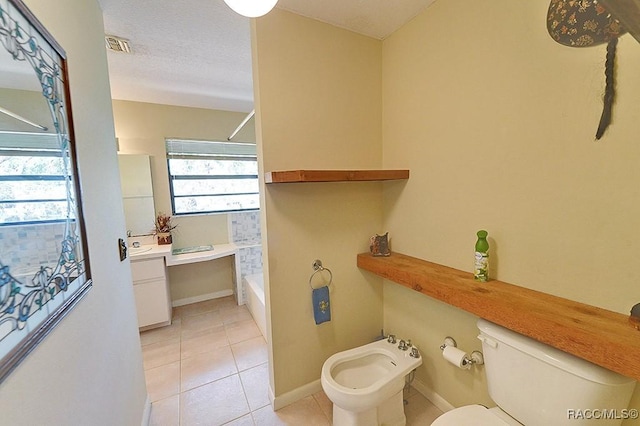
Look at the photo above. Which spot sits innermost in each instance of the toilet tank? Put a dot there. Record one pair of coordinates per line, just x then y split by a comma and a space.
540, 385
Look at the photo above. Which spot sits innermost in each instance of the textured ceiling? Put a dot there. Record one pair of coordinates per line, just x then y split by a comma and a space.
374, 18
198, 52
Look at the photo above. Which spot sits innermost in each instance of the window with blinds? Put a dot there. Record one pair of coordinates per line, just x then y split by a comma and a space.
212, 177
34, 176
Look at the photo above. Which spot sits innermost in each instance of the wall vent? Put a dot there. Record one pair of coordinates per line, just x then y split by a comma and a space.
117, 44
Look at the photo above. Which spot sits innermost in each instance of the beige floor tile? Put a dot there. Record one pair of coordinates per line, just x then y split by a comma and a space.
265, 416
255, 382
304, 412
166, 412
160, 334
196, 325
225, 302
242, 330
195, 308
163, 381
325, 404
235, 314
242, 421
161, 353
420, 411
250, 353
204, 342
206, 367
215, 403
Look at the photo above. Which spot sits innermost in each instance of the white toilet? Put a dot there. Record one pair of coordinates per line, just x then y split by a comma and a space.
365, 383
536, 385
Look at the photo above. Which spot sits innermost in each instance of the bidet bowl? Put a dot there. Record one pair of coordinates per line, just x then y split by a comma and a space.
362, 378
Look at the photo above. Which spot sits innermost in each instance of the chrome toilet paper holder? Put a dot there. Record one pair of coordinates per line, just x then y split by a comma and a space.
476, 357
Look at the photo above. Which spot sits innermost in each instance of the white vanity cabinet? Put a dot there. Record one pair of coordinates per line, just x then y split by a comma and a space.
151, 288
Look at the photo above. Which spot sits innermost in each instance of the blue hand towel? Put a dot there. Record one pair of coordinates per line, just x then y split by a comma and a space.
321, 308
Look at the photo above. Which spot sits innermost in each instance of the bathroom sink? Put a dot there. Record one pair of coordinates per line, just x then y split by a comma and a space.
138, 250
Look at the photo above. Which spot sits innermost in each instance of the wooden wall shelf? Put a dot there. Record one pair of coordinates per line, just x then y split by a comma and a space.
603, 337
301, 176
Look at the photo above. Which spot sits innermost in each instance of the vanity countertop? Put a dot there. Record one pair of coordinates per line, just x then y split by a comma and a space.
149, 251
218, 251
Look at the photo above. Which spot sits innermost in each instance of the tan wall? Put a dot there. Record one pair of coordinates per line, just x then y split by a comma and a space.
496, 122
89, 369
27, 103
317, 95
141, 128
195, 280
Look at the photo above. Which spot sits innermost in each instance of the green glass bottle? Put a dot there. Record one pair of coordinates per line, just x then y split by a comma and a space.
481, 267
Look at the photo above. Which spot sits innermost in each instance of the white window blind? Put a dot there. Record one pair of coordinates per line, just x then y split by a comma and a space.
211, 176
33, 179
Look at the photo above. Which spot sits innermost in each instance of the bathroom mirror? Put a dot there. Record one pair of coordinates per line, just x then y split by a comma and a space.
137, 193
44, 267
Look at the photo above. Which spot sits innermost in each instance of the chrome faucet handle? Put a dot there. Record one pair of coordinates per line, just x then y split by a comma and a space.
414, 352
409, 344
403, 345
391, 339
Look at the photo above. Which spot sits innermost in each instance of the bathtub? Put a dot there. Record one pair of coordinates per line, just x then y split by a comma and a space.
254, 286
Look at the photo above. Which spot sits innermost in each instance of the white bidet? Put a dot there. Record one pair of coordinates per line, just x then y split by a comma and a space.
365, 383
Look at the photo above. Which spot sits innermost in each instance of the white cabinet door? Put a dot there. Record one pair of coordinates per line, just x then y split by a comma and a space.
151, 302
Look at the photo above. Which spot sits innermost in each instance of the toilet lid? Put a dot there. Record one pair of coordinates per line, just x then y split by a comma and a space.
469, 415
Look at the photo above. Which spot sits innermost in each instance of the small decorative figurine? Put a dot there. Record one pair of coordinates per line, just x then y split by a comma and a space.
634, 318
379, 245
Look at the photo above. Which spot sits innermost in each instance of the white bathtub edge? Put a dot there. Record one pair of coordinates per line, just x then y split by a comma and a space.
255, 301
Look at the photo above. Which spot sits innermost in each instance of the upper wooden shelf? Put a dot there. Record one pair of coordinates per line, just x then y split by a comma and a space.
603, 337
300, 176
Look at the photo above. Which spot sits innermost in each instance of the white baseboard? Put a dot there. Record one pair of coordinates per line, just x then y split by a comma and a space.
432, 396
146, 414
202, 298
315, 386
294, 395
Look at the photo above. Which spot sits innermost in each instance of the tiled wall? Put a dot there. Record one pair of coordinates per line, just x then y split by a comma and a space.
245, 232
26, 248
250, 260
245, 228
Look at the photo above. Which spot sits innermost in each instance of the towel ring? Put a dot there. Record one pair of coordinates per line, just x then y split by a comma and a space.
317, 267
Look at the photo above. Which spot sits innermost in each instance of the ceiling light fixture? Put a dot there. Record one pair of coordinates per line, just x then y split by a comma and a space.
251, 8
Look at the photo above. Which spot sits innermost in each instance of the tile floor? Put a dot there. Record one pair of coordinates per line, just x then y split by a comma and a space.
209, 367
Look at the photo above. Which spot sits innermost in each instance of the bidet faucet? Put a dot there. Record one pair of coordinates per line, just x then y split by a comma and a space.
392, 339
414, 353
403, 345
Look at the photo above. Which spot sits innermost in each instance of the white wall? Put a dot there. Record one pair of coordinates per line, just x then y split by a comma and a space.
89, 369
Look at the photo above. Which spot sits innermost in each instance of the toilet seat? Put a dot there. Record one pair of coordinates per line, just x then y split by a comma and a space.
475, 415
